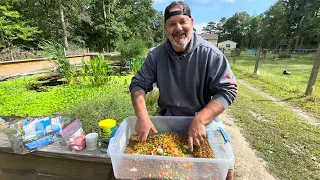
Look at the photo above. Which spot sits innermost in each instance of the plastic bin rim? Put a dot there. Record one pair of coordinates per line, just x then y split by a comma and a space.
111, 154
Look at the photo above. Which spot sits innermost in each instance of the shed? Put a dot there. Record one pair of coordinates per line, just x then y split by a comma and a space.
228, 45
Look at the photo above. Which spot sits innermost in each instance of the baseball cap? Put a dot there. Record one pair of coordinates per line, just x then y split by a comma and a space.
185, 11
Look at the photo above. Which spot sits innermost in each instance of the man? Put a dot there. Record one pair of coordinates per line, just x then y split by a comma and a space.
194, 79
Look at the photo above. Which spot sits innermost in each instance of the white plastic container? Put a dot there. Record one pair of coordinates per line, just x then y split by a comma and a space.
92, 141
135, 166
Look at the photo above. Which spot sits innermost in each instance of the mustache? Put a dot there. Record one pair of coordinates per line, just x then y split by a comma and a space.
179, 33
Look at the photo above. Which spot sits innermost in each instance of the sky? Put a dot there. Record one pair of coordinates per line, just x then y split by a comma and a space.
204, 11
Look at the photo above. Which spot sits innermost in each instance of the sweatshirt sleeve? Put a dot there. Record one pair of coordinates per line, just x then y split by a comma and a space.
221, 80
145, 77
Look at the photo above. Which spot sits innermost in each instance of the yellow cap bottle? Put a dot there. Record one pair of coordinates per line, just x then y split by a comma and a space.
106, 127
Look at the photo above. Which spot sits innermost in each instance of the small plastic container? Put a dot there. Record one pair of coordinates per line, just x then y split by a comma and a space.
137, 166
107, 127
92, 141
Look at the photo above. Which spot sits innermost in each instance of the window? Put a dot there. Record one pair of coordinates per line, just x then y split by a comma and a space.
227, 45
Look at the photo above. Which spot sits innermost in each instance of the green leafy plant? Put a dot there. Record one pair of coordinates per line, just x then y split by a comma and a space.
55, 51
137, 63
97, 71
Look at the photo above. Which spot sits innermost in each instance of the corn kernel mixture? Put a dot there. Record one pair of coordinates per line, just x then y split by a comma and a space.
168, 144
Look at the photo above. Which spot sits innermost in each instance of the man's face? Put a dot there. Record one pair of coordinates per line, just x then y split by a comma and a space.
179, 29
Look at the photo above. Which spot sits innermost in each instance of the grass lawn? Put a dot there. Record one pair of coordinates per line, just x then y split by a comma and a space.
290, 88
288, 143
78, 101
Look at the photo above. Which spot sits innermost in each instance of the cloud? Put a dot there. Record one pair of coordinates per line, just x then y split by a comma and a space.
205, 1
199, 27
161, 1
228, 1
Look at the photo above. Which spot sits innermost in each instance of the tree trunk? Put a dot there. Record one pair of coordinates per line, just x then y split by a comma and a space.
105, 23
63, 24
257, 60
2, 35
314, 74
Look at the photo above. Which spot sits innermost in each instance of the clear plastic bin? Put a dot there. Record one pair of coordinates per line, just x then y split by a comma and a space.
136, 166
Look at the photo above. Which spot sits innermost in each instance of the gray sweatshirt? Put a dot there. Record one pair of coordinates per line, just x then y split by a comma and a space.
189, 81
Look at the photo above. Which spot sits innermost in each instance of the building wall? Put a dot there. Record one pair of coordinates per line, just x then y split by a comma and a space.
224, 45
213, 41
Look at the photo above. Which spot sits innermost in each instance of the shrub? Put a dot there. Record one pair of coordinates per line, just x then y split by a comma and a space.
132, 48
114, 105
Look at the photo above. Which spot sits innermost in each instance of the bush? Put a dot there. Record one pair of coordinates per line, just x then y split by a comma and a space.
114, 105
132, 48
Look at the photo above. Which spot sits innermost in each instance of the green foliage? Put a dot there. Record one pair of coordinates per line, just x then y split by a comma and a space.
152, 102
131, 48
12, 27
97, 71
212, 27
137, 63
16, 99
96, 24
85, 102
115, 105
55, 51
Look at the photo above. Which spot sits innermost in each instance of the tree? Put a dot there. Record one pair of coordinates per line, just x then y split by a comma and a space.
211, 27
157, 28
254, 31
274, 25
221, 29
142, 14
12, 27
236, 28
63, 24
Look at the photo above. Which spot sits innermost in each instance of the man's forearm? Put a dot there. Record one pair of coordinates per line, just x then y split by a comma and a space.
139, 104
210, 112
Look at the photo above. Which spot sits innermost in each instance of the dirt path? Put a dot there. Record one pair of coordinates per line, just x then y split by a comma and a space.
297, 111
248, 166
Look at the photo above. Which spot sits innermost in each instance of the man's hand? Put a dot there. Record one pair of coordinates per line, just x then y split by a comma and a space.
197, 129
196, 134
143, 127
143, 124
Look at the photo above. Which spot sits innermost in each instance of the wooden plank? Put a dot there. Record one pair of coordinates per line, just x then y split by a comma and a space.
30, 166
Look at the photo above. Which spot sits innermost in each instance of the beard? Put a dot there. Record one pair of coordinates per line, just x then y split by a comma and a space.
182, 44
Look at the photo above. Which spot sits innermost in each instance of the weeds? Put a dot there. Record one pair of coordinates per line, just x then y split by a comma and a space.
55, 51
